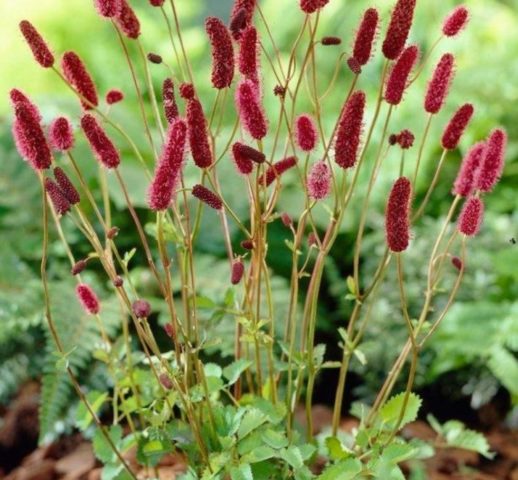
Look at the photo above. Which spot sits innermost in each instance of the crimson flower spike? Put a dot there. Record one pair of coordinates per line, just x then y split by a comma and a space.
251, 112
102, 147
398, 78
464, 184
241, 16
245, 157
76, 74
57, 197
169, 169
248, 54
108, 8
311, 6
66, 186
203, 194
38, 46
493, 161
455, 21
439, 84
306, 133
29, 136
238, 269
198, 130
456, 127
319, 181
169, 100
127, 21
397, 215
61, 134
222, 53
365, 35
399, 28
348, 136
276, 170
88, 299
471, 217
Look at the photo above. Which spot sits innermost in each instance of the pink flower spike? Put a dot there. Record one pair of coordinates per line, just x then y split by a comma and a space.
127, 21
18, 96
39, 48
243, 163
58, 199
88, 299
493, 161
348, 137
102, 147
241, 16
456, 127
276, 170
439, 84
251, 112
319, 181
108, 8
198, 133
455, 21
238, 269
169, 101
76, 74
399, 28
406, 139
169, 169
306, 133
471, 217
364, 41
398, 78
114, 96
203, 194
66, 186
468, 172
248, 53
61, 134
222, 53
397, 215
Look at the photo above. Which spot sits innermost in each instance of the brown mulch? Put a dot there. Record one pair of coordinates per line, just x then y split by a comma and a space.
72, 458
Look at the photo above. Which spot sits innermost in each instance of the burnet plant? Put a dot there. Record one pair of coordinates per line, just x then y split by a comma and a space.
237, 420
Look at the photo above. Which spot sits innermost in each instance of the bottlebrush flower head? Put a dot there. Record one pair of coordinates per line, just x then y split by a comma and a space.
276, 170
169, 100
464, 184
455, 21
241, 16
222, 53
350, 127
208, 197
365, 36
330, 41
439, 84
141, 308
187, 91
456, 127
154, 58
76, 74
127, 21
493, 162
405, 139
17, 96
457, 263
279, 91
399, 28
108, 8
471, 217
61, 134
58, 199
319, 181
38, 46
245, 156
29, 136
238, 269
102, 147
306, 133
397, 215
354, 65
114, 96
251, 112
66, 186
169, 168
311, 6
88, 299
198, 133
248, 53
156, 3
78, 267
398, 79
165, 381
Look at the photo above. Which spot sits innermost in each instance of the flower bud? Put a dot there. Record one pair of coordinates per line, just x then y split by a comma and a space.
471, 216
206, 196
39, 48
141, 308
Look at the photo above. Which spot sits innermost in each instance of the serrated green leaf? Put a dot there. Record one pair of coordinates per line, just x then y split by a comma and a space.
233, 371
102, 448
391, 411
335, 448
274, 439
83, 416
292, 457
243, 472
252, 419
348, 469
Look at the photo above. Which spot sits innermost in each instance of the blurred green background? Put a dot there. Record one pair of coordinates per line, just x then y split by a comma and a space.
471, 361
